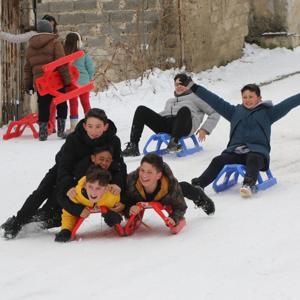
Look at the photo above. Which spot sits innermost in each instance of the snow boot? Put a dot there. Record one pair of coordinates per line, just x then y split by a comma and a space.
204, 202
61, 123
63, 236
43, 131
248, 187
173, 146
11, 228
73, 123
132, 149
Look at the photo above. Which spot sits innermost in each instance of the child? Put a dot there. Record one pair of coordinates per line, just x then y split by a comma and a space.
86, 69
182, 116
250, 132
154, 181
44, 48
91, 191
94, 131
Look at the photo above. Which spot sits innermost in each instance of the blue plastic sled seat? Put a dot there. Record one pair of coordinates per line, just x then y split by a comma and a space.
162, 139
229, 177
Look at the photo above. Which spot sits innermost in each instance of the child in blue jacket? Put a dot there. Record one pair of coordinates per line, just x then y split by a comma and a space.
250, 132
86, 68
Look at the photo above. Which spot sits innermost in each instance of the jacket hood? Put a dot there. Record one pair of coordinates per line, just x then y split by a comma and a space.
40, 40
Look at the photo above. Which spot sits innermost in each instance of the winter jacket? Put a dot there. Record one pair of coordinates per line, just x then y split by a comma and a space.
17, 38
169, 194
77, 146
250, 127
43, 48
198, 110
108, 199
86, 68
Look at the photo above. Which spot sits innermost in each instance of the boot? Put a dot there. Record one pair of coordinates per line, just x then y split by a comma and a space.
173, 146
248, 188
11, 228
73, 123
61, 123
204, 202
43, 132
132, 149
63, 236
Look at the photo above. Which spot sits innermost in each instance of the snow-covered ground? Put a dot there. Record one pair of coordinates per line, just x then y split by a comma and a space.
248, 250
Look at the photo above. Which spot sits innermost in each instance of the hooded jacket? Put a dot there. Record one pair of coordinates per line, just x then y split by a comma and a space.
198, 110
170, 193
43, 48
249, 127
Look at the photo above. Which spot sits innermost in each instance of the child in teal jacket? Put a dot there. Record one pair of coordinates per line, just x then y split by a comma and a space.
86, 68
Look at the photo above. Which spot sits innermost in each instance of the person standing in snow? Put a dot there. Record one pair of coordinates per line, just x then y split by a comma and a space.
44, 48
250, 132
86, 70
181, 116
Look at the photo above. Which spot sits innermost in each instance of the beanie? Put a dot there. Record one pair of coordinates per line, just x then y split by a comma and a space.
44, 26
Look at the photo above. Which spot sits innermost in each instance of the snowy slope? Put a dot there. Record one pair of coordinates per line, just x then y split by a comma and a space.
248, 250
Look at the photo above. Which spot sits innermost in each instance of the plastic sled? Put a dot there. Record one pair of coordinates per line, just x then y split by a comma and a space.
228, 177
164, 138
16, 128
102, 209
135, 220
51, 83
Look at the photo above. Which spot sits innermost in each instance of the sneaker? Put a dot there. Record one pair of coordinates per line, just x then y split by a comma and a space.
12, 229
173, 146
63, 236
246, 190
204, 202
132, 149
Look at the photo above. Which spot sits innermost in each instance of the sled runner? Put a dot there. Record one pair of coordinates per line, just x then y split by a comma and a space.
164, 138
102, 209
16, 128
135, 221
51, 82
229, 177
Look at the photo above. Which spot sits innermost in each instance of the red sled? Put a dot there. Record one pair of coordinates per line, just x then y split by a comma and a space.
16, 128
102, 209
50, 82
135, 221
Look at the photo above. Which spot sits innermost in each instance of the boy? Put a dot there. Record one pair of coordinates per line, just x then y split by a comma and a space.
91, 191
182, 116
250, 132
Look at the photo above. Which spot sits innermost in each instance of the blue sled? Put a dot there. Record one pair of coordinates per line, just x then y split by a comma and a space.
164, 138
231, 174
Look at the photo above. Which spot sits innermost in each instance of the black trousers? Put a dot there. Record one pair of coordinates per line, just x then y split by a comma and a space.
45, 190
254, 162
44, 108
177, 126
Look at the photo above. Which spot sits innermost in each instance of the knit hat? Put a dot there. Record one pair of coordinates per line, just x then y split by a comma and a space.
44, 26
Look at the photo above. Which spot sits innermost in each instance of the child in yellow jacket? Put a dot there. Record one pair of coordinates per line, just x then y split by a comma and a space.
91, 191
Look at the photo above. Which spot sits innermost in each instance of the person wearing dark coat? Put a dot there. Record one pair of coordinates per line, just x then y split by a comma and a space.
250, 132
94, 131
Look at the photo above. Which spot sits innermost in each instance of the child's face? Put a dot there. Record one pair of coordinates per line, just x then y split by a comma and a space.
250, 99
179, 88
148, 175
94, 191
102, 159
94, 127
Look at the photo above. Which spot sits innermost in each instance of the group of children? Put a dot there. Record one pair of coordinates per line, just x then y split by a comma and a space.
90, 170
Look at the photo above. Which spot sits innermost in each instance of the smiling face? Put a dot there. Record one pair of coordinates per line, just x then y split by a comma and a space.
94, 191
94, 127
102, 159
250, 99
179, 88
149, 176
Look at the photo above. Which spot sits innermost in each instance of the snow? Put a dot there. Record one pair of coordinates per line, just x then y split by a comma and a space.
248, 250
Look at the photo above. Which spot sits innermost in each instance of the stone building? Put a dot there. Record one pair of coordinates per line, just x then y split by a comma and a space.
127, 37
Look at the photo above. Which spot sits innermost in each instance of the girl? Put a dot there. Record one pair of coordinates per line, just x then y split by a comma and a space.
86, 69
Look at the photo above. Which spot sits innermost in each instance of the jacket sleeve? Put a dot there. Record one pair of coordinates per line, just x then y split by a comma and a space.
63, 70
221, 106
90, 66
17, 38
178, 204
280, 110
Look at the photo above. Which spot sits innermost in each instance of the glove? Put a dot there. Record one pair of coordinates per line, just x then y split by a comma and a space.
185, 80
112, 218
